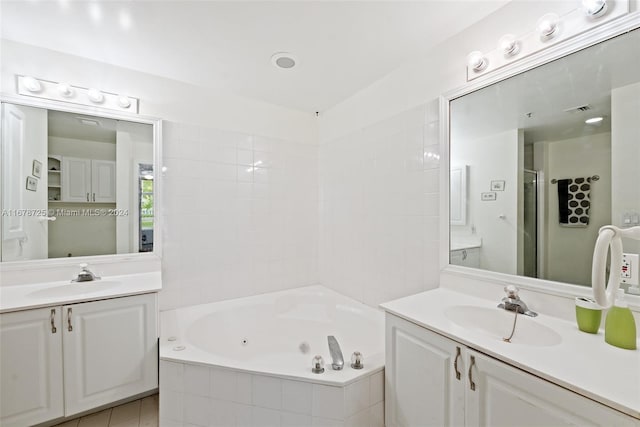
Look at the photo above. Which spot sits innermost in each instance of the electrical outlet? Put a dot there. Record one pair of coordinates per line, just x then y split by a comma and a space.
629, 272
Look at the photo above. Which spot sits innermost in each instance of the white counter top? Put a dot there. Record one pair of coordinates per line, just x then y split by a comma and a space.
467, 242
581, 362
24, 297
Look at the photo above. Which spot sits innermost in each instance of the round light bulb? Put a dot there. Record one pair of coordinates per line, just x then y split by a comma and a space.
476, 61
124, 101
95, 96
31, 84
65, 90
509, 45
594, 8
547, 25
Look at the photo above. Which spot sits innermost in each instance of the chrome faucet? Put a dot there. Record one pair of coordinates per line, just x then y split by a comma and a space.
337, 361
512, 302
85, 275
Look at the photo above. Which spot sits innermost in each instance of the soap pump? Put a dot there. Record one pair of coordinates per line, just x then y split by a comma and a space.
620, 326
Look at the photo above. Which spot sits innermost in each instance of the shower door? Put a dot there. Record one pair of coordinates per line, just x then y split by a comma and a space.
530, 223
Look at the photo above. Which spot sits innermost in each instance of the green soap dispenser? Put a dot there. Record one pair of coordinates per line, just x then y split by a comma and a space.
620, 326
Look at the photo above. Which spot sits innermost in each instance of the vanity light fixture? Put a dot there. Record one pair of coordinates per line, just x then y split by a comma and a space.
548, 26
95, 96
594, 120
477, 61
594, 8
66, 90
509, 45
32, 84
124, 101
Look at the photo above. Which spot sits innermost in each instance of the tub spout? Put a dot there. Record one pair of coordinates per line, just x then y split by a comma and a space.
337, 361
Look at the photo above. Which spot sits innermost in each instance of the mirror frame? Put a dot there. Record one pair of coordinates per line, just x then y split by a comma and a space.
156, 255
597, 35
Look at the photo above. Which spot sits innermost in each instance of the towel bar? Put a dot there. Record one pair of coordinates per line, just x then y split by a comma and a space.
593, 178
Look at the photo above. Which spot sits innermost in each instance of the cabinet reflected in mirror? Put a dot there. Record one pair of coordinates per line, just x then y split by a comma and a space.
94, 194
552, 156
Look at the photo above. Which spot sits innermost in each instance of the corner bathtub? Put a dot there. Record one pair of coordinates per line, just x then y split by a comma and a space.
239, 362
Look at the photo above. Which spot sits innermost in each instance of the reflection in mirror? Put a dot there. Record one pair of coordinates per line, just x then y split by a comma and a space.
92, 185
551, 155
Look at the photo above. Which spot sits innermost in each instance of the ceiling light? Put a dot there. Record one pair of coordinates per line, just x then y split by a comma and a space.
65, 90
283, 60
476, 61
547, 26
95, 96
124, 101
593, 120
594, 8
31, 84
509, 45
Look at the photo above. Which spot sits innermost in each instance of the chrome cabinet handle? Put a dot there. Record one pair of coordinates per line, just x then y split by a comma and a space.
53, 321
70, 328
87, 197
472, 384
94, 197
464, 254
455, 363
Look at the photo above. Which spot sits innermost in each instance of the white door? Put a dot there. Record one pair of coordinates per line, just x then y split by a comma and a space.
76, 179
110, 351
24, 142
506, 396
422, 387
30, 367
103, 181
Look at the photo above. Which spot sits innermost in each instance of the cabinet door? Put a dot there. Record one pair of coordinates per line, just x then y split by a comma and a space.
76, 180
110, 351
421, 385
103, 181
506, 396
30, 367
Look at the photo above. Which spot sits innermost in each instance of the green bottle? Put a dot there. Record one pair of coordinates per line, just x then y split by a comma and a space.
620, 326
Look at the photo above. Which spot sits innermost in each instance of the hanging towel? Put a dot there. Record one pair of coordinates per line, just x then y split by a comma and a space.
574, 202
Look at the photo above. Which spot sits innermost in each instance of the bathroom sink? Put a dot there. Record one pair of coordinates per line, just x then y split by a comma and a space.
73, 289
498, 323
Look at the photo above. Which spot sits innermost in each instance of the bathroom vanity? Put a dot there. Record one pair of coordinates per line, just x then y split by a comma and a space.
67, 348
447, 365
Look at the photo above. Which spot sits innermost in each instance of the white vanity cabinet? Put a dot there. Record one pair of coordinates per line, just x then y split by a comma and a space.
88, 181
432, 380
107, 350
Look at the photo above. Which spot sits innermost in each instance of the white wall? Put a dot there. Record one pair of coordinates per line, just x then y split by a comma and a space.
567, 246
228, 232
491, 158
625, 154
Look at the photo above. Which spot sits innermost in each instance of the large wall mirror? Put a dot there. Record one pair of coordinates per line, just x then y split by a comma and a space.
75, 184
549, 156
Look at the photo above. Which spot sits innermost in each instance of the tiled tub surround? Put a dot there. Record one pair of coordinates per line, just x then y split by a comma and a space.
240, 214
239, 362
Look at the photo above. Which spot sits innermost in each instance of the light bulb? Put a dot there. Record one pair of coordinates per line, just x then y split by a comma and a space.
124, 101
95, 96
509, 45
65, 90
594, 8
31, 84
594, 120
547, 26
476, 61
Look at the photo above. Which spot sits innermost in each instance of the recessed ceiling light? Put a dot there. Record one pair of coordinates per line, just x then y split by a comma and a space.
283, 60
593, 120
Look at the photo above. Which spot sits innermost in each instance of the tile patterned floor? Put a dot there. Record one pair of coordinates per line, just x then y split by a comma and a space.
139, 413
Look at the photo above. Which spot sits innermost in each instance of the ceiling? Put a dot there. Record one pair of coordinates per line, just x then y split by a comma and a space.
341, 47
536, 100
70, 125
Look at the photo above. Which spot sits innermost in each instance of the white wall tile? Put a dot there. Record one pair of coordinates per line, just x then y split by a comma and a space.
376, 414
244, 388
376, 390
297, 396
361, 419
326, 422
244, 415
171, 405
171, 376
263, 417
267, 392
356, 396
328, 402
287, 419
196, 380
196, 410
221, 413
